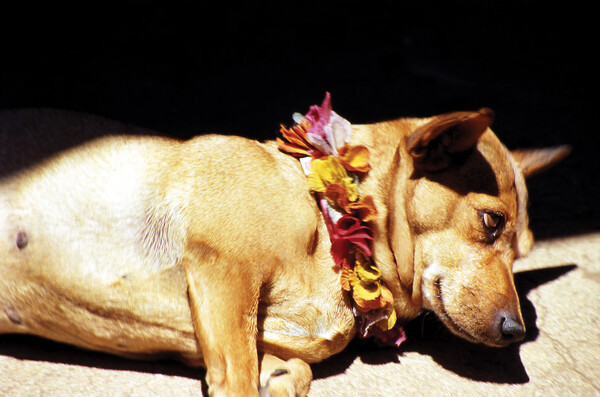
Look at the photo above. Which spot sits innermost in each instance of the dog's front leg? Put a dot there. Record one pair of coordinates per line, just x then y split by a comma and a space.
280, 378
223, 297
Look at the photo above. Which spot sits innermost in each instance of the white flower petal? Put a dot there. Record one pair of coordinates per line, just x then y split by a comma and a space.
341, 130
320, 143
305, 163
298, 117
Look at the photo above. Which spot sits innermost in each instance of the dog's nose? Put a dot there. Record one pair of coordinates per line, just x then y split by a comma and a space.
512, 330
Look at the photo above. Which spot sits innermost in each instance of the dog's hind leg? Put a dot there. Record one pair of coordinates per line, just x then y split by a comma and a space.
223, 299
280, 378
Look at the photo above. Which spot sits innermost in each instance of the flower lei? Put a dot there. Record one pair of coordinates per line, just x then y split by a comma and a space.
320, 139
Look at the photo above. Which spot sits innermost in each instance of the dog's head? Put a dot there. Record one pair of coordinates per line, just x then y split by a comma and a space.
463, 199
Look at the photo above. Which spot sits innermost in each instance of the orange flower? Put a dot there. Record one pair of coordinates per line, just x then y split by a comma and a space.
296, 143
364, 209
346, 275
337, 194
355, 158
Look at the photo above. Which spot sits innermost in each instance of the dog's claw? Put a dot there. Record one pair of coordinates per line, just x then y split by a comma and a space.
279, 372
264, 391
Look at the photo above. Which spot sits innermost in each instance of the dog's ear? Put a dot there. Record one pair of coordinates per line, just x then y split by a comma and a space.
534, 161
526, 163
433, 145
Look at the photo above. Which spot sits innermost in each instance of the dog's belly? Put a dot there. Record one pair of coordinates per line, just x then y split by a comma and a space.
94, 213
136, 317
87, 256
101, 290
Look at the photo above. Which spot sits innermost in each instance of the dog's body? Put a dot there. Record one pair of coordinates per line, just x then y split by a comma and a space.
214, 250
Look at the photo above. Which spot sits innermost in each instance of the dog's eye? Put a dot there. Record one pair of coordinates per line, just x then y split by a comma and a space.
493, 222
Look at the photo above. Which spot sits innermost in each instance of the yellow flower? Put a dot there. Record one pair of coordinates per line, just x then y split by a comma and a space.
365, 280
368, 291
387, 324
329, 171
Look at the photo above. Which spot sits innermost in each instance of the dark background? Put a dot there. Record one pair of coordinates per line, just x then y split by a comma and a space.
184, 68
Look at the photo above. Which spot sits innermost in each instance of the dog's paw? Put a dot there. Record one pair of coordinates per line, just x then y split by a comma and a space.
292, 379
274, 388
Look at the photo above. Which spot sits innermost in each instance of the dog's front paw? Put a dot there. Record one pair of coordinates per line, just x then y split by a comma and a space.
274, 388
291, 379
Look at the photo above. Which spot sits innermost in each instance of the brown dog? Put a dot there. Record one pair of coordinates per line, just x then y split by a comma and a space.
215, 251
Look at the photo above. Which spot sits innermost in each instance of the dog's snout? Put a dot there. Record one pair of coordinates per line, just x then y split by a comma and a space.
512, 330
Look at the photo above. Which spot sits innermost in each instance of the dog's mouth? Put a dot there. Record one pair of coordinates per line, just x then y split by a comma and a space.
439, 308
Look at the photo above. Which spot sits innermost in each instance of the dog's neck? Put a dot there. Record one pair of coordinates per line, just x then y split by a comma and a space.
393, 250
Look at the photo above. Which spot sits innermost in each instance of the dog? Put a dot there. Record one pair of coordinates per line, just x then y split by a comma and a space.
217, 250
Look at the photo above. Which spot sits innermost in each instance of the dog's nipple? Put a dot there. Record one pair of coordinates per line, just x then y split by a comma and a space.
12, 315
22, 240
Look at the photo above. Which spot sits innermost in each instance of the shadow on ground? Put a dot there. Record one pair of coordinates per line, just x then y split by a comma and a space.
428, 336
32, 348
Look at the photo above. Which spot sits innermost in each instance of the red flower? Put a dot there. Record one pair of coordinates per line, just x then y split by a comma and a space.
349, 231
392, 337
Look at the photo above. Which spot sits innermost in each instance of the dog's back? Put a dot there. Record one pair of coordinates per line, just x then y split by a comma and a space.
28, 136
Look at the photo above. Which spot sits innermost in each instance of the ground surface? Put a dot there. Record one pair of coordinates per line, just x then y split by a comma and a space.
177, 68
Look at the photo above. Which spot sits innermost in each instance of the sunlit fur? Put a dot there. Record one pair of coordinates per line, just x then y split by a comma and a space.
214, 250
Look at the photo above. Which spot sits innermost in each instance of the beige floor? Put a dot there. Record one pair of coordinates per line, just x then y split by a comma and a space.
559, 283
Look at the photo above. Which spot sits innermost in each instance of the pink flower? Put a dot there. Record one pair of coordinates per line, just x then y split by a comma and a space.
318, 116
328, 131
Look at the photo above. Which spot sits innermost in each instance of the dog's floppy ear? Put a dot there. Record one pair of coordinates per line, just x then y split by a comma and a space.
433, 145
534, 161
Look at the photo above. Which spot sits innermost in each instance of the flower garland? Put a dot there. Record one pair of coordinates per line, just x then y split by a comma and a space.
320, 139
